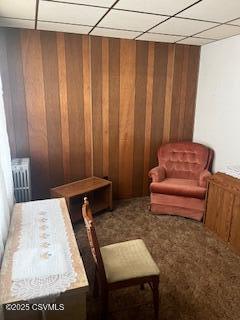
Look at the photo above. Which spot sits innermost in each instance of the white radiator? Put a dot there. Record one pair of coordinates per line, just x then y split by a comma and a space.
21, 179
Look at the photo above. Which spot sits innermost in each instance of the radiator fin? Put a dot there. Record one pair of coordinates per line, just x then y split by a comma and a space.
21, 179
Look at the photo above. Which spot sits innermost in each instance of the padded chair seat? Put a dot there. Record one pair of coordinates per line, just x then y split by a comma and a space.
179, 187
127, 260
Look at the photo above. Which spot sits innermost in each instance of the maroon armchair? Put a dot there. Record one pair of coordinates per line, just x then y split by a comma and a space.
179, 183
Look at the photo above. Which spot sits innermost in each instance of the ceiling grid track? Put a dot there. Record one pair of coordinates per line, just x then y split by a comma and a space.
195, 22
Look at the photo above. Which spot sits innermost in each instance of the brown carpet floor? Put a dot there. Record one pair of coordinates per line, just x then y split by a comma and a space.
199, 274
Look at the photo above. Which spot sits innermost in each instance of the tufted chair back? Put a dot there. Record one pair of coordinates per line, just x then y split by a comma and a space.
184, 160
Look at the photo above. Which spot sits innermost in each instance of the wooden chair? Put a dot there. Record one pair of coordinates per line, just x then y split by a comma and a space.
120, 265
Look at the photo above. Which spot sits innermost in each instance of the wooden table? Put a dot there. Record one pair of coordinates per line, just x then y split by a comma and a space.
98, 191
74, 298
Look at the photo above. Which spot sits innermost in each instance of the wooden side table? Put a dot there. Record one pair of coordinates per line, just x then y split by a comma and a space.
98, 191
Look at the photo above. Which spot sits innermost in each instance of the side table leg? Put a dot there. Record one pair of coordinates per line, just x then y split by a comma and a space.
110, 197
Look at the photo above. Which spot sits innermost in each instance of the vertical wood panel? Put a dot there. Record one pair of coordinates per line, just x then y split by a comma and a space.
210, 219
52, 104
183, 92
105, 104
63, 105
36, 112
73, 45
17, 93
96, 69
234, 238
169, 93
6, 87
191, 92
224, 218
83, 105
114, 101
139, 116
126, 116
148, 121
159, 91
87, 97
176, 93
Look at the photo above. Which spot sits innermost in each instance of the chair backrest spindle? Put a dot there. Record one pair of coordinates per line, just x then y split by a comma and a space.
93, 241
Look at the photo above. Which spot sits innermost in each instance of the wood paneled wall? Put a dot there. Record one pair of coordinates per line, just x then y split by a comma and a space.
79, 105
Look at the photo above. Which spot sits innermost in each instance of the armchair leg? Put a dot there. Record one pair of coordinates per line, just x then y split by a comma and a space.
155, 291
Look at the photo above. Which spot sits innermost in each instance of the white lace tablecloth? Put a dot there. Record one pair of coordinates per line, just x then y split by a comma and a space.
42, 261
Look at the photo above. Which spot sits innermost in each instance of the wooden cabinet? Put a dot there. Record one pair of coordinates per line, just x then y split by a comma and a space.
223, 208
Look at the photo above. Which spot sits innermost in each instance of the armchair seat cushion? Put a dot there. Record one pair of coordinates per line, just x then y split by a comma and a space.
179, 187
128, 260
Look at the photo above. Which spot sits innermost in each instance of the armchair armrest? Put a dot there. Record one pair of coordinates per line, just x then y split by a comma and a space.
203, 178
157, 174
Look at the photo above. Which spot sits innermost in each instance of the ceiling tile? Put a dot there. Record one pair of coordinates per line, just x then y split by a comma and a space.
168, 7
235, 22
113, 33
17, 23
23, 9
220, 32
159, 37
195, 41
61, 27
180, 26
100, 3
130, 20
69, 13
214, 10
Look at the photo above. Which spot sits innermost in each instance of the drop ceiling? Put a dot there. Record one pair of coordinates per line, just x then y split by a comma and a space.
176, 21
